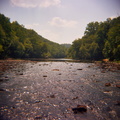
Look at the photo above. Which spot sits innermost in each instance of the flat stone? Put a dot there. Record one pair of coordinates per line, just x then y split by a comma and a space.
79, 109
1, 90
55, 70
52, 96
107, 84
118, 86
44, 75
79, 69
38, 117
117, 103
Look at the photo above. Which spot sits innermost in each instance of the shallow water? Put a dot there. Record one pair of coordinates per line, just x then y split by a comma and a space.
49, 91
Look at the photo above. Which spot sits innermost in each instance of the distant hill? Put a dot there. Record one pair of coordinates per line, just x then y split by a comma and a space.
66, 45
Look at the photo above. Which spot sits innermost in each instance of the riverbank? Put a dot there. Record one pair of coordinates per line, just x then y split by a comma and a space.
10, 64
109, 66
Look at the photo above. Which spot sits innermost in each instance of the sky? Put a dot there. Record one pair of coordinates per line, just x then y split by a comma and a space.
60, 21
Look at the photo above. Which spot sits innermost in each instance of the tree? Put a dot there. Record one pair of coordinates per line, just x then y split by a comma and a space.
83, 53
91, 28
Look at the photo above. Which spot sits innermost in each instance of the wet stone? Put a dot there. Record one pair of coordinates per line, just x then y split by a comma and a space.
118, 86
38, 101
44, 75
2, 90
38, 117
55, 70
79, 69
75, 98
102, 71
79, 109
107, 84
13, 107
52, 96
21, 74
117, 103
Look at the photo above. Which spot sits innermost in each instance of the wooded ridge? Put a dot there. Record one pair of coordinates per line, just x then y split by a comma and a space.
18, 42
101, 40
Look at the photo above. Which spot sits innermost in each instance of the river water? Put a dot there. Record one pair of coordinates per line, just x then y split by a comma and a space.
49, 90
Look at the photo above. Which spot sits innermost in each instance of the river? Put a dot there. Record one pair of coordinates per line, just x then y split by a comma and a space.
49, 90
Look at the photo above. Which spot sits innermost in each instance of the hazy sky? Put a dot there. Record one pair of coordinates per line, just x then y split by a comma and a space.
61, 21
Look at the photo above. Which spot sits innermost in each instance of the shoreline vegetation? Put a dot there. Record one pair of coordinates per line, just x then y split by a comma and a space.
101, 40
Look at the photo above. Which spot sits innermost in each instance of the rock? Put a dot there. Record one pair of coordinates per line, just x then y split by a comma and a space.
102, 71
1, 80
55, 70
75, 98
118, 67
1, 90
118, 86
44, 75
107, 84
59, 74
38, 117
117, 103
79, 69
38, 101
79, 109
21, 74
52, 96
105, 60
13, 107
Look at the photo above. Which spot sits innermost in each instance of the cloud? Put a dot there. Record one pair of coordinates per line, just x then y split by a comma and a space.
49, 35
59, 22
35, 3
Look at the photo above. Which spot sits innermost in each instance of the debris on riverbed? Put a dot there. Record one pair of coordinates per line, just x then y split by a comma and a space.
75, 98
53, 90
117, 103
2, 90
79, 109
44, 75
38, 101
55, 70
38, 117
79, 69
118, 86
51, 96
107, 84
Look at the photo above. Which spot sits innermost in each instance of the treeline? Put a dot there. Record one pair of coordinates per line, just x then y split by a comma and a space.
18, 42
100, 40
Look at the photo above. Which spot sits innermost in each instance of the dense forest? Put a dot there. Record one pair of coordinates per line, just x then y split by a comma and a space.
18, 42
100, 40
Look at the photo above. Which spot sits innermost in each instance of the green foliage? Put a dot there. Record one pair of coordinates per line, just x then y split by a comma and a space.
101, 40
19, 42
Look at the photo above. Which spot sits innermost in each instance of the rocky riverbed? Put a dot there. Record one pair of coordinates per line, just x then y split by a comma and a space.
31, 90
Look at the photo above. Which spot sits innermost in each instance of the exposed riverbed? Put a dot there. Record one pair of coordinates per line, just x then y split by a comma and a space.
50, 90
